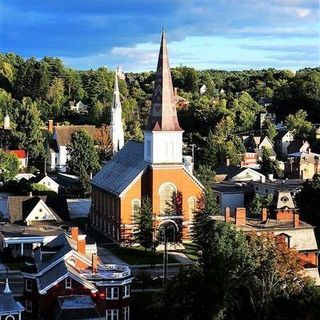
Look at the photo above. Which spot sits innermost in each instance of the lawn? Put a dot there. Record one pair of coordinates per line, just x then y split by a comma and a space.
138, 255
191, 251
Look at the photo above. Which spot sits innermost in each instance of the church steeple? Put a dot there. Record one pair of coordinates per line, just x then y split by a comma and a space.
163, 135
117, 134
163, 114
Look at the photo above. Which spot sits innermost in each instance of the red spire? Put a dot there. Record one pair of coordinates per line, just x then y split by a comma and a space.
163, 114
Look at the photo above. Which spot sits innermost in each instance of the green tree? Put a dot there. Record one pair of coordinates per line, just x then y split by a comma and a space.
9, 166
299, 125
27, 134
83, 154
144, 224
259, 202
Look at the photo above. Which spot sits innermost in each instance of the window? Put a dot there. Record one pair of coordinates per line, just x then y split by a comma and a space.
28, 284
167, 196
126, 291
28, 306
112, 314
126, 313
192, 206
68, 283
112, 293
135, 209
40, 210
9, 317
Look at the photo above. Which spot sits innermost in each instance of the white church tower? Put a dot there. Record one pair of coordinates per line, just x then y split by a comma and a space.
163, 135
117, 134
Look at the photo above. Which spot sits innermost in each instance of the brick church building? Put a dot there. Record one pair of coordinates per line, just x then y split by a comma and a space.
153, 168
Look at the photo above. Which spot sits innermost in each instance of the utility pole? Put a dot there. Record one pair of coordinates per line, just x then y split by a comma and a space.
165, 257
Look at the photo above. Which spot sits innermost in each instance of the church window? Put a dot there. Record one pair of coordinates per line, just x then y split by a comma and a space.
68, 283
9, 317
112, 314
167, 197
192, 206
126, 313
112, 293
135, 205
149, 148
28, 285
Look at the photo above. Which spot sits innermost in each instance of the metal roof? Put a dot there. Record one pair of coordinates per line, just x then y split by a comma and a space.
122, 169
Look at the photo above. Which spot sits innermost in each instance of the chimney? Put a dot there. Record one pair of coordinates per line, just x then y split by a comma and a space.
240, 216
296, 220
175, 91
94, 263
81, 244
6, 122
50, 126
74, 233
227, 214
264, 214
227, 162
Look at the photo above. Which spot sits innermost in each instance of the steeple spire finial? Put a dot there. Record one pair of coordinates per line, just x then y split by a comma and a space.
7, 288
163, 114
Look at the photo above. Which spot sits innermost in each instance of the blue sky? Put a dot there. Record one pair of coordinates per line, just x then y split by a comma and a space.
218, 34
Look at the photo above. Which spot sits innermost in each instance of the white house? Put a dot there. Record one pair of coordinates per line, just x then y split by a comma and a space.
282, 141
57, 147
236, 173
47, 182
78, 107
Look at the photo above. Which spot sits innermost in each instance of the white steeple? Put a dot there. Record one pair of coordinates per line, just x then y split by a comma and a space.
7, 288
117, 134
163, 135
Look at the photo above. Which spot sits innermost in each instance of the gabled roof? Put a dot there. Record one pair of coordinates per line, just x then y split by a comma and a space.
163, 114
63, 133
233, 171
281, 134
122, 169
40, 177
297, 144
19, 207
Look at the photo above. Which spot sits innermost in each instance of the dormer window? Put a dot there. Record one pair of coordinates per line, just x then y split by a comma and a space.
68, 283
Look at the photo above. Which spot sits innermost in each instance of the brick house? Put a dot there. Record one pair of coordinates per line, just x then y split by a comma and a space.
67, 270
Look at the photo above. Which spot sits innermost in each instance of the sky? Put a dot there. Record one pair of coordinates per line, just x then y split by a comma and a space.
205, 34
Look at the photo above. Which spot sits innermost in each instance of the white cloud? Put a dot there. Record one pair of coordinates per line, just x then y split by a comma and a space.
303, 12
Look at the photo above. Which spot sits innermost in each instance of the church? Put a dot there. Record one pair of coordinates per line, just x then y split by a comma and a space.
151, 169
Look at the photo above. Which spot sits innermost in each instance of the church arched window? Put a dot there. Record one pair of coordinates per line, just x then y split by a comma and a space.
191, 207
167, 194
135, 206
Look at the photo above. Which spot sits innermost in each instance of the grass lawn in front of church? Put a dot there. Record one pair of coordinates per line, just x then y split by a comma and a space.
138, 256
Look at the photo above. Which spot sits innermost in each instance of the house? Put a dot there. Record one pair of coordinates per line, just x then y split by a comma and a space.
46, 181
282, 140
282, 221
202, 89
231, 194
10, 309
21, 155
298, 145
303, 165
273, 186
264, 116
181, 102
236, 173
26, 176
254, 145
67, 273
30, 209
78, 107
21, 240
152, 169
57, 146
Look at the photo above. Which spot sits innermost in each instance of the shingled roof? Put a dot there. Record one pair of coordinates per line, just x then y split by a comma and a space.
63, 133
122, 169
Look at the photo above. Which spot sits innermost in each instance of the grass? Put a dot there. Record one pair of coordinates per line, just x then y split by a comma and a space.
138, 256
191, 251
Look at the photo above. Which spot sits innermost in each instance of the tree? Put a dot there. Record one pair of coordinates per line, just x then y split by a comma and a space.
206, 175
259, 202
299, 125
27, 134
83, 154
104, 142
144, 227
9, 166
269, 166
309, 200
270, 128
82, 187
